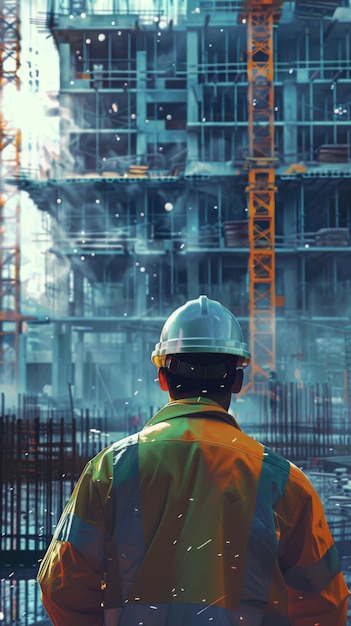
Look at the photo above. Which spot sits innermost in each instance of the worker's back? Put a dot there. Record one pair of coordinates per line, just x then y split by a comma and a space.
201, 524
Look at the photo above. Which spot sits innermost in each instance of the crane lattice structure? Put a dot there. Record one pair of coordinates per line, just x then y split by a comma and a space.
10, 145
260, 16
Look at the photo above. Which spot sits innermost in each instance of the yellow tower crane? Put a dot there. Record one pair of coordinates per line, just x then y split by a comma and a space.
10, 144
260, 17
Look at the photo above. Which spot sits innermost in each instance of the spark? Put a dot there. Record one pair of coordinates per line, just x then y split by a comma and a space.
212, 603
204, 544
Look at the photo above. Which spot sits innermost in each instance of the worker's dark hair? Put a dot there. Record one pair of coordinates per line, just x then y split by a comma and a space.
199, 374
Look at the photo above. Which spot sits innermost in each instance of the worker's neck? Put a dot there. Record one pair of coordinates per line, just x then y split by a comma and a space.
222, 399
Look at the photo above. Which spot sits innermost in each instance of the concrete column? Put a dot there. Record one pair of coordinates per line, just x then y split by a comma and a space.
22, 363
140, 291
290, 292
192, 219
290, 125
348, 367
67, 67
79, 367
78, 294
141, 102
192, 229
62, 360
192, 279
192, 92
289, 264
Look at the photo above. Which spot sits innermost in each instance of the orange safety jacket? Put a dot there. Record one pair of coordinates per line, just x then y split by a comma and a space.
190, 522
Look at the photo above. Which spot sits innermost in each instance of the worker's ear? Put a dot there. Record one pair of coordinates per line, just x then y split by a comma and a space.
238, 382
162, 379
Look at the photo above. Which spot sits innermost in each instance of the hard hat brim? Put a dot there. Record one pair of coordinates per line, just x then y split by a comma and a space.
199, 345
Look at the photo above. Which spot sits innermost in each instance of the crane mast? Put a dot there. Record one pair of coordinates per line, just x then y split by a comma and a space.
10, 144
260, 16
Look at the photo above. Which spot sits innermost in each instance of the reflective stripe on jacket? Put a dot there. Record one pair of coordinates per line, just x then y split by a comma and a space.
190, 522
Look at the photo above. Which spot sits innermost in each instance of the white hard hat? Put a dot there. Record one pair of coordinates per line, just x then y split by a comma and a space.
201, 325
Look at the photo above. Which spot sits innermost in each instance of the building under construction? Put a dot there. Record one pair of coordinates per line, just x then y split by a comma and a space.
174, 148
204, 149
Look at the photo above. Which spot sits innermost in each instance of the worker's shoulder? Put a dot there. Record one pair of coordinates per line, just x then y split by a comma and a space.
297, 486
111, 453
279, 465
298, 476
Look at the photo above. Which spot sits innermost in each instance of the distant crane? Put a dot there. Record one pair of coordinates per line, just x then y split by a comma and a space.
10, 145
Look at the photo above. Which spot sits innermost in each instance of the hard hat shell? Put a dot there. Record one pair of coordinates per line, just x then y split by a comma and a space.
201, 325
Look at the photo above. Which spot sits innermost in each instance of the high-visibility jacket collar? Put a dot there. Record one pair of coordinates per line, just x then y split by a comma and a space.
193, 407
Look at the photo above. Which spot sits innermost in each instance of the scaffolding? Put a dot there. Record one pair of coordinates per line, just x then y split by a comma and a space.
172, 153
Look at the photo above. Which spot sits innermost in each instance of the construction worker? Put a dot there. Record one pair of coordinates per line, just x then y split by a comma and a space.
190, 521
